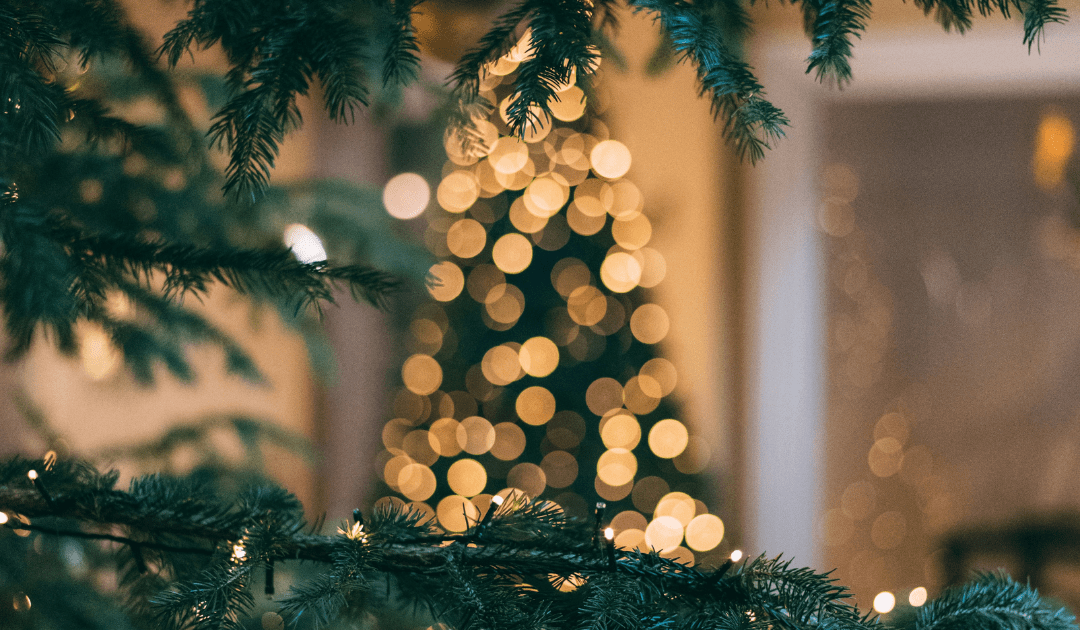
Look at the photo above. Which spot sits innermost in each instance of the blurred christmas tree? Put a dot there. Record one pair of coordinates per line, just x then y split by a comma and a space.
535, 368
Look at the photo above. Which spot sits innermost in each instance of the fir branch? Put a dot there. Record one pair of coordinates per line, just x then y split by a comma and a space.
1037, 14
836, 23
401, 60
992, 602
750, 122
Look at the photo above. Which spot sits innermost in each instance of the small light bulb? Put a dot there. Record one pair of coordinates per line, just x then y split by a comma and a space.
497, 500
609, 534
917, 597
32, 474
736, 555
3, 518
238, 552
884, 602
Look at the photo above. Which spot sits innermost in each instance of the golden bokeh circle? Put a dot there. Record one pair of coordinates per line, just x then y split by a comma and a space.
504, 303
416, 481
475, 435
629, 519
501, 365
569, 274
631, 540
647, 493
621, 431
610, 159
653, 268
668, 438
406, 195
421, 374
508, 155
586, 305
886, 457
658, 377
560, 467
455, 513
539, 356
523, 220
663, 533
466, 238
482, 279
633, 233
442, 436
457, 191
679, 505
467, 477
509, 441
616, 467
512, 253
611, 493
620, 272
568, 105
527, 477
449, 281
417, 445
535, 405
649, 323
635, 398
603, 395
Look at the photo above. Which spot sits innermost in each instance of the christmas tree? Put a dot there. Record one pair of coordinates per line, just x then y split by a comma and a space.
98, 212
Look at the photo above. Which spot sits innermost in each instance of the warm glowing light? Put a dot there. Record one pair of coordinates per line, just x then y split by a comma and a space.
616, 467
535, 405
653, 268
305, 244
704, 532
100, 358
527, 477
668, 438
633, 538
568, 105
679, 505
417, 445
884, 602
442, 437
1054, 145
603, 395
609, 533
560, 467
610, 159
539, 356
582, 223
917, 597
406, 196
501, 365
32, 474
458, 190
504, 304
524, 220
663, 533
455, 512
886, 457
509, 441
467, 477
421, 374
620, 431
649, 323
497, 500
620, 272
545, 196
449, 281
635, 398
475, 435
509, 155
466, 238
569, 274
586, 305
238, 552
512, 253
21, 602
627, 199
3, 518
657, 377
736, 555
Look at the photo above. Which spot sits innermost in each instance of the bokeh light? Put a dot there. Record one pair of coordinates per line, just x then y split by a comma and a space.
467, 477
406, 196
704, 532
512, 253
305, 244
421, 374
610, 159
535, 405
668, 438
449, 281
884, 602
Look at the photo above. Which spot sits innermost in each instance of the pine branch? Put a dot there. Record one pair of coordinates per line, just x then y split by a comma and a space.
836, 23
992, 602
1037, 14
401, 60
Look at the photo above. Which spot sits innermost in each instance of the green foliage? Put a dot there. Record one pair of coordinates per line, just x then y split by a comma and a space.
202, 554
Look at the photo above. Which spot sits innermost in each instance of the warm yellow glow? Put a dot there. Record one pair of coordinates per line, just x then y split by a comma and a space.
450, 281
616, 467
455, 513
406, 196
610, 159
99, 357
917, 597
466, 238
238, 552
653, 268
568, 105
621, 431
1054, 143
475, 435
392, 468
603, 395
649, 323
32, 474
620, 272
635, 398
442, 437
512, 253
517, 180
627, 199
539, 356
482, 279
586, 305
582, 223
509, 441
458, 190
305, 244
648, 492
505, 303
467, 477
611, 493
21, 601
569, 274
509, 155
884, 602
633, 233
535, 405
631, 539
609, 533
560, 467
497, 500
657, 377
663, 533
501, 365
421, 374
678, 505
668, 438
524, 220
527, 477
705, 532
594, 197
417, 445
417, 482
886, 457
545, 196
736, 555
3, 518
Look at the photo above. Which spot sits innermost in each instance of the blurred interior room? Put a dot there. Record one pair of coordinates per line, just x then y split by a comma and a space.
867, 343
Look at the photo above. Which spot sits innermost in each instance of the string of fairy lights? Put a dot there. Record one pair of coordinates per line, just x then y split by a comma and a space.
523, 373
